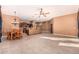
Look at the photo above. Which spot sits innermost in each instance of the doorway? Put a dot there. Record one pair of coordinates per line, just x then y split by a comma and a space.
51, 28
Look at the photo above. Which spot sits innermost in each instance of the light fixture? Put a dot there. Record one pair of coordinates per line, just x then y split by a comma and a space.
15, 19
15, 22
42, 14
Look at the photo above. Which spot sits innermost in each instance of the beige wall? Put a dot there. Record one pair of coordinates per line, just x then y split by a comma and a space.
8, 26
66, 25
45, 26
7, 22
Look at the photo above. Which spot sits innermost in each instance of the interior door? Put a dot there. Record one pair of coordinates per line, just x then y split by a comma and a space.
51, 28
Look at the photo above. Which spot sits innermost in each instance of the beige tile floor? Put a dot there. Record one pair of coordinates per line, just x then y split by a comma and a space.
39, 44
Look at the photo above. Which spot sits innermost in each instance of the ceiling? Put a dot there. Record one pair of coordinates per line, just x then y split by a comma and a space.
31, 12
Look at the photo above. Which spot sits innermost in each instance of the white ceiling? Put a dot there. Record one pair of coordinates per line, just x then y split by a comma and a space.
27, 12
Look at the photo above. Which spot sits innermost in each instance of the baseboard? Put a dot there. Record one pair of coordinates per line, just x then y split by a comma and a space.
64, 35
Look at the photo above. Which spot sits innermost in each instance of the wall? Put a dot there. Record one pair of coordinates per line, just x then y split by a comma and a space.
45, 26
66, 25
7, 22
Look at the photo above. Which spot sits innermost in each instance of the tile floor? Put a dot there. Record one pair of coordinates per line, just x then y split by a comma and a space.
40, 44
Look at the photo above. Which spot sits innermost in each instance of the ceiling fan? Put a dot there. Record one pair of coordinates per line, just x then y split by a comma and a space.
41, 12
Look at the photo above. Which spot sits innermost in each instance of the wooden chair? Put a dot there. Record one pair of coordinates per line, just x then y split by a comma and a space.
14, 34
18, 34
8, 35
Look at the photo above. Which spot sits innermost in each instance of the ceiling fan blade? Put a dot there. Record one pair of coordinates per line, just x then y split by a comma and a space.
47, 13
45, 16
